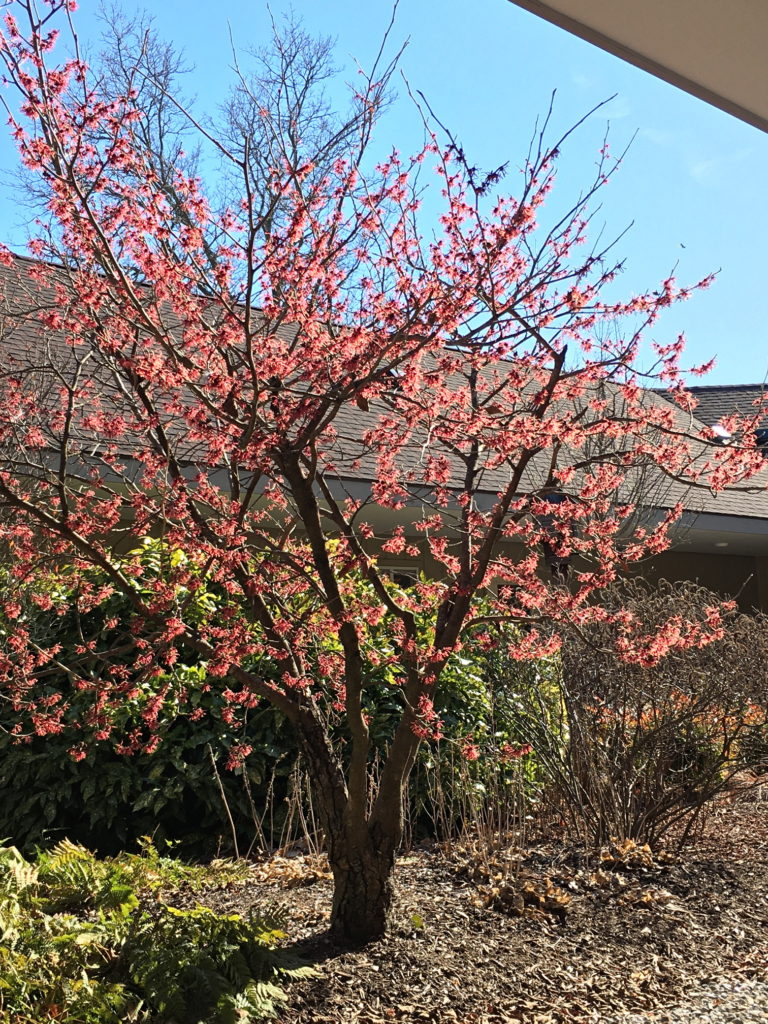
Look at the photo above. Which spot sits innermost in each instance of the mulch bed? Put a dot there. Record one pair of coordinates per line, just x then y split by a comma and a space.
540, 936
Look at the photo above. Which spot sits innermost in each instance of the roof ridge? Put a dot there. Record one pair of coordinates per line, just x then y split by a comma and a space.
726, 387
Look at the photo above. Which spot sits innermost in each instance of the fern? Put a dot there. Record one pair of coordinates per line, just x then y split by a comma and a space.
206, 967
76, 945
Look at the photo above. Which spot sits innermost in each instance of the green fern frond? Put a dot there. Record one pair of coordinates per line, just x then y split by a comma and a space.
16, 873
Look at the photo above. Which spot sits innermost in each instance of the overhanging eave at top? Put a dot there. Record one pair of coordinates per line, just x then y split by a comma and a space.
711, 49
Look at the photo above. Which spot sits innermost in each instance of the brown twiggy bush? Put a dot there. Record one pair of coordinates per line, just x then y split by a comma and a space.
630, 751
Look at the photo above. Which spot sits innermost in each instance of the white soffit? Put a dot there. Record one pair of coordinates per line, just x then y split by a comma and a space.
715, 49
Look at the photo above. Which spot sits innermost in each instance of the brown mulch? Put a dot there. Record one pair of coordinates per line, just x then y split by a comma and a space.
539, 936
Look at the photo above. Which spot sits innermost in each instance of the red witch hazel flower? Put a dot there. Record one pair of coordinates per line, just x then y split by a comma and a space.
237, 755
469, 749
428, 725
509, 753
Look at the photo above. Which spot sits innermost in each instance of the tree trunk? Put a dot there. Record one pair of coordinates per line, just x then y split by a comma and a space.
361, 852
362, 894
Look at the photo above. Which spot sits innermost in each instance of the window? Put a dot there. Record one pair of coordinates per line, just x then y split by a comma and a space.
402, 575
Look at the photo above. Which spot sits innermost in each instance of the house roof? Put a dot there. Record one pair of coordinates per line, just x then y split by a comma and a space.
719, 400
22, 336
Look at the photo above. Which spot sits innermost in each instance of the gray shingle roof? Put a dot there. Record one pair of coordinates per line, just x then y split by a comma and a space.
750, 501
718, 400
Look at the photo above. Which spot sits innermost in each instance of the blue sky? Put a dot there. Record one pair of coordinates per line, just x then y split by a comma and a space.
692, 185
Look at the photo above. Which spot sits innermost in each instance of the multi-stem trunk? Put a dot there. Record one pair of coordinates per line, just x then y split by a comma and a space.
361, 846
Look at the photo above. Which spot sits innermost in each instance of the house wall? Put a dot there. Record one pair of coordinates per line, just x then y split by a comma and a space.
743, 577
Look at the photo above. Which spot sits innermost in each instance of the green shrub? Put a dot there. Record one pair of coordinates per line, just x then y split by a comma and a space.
484, 773
107, 800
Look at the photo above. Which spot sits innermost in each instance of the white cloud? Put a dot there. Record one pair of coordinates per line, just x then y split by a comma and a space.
615, 109
712, 169
657, 137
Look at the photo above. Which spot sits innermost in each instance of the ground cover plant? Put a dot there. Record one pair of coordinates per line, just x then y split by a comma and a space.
291, 390
88, 941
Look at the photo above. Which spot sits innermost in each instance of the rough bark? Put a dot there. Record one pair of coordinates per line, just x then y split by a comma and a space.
362, 895
361, 852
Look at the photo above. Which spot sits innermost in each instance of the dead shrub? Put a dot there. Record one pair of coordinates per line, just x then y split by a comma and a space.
631, 751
